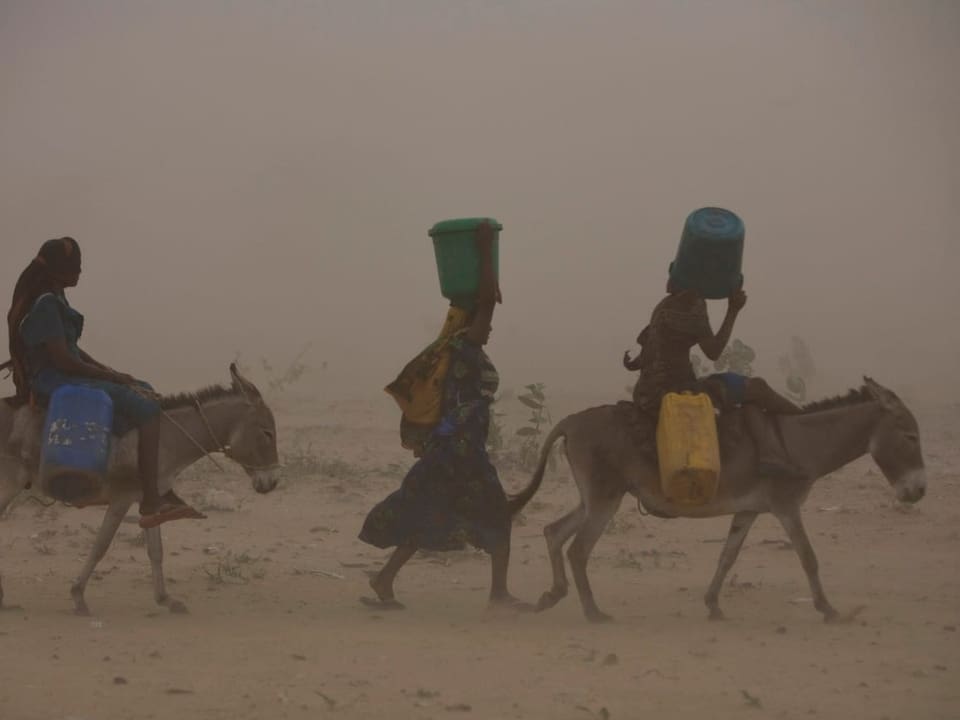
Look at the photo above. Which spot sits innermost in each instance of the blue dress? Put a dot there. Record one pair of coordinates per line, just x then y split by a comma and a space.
452, 495
50, 318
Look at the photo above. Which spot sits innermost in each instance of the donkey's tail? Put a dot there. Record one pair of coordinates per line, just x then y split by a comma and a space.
516, 503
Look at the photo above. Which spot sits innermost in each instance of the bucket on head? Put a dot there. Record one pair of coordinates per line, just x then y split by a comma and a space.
710, 256
76, 441
458, 261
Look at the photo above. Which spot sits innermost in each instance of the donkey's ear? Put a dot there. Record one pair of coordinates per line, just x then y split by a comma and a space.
882, 395
239, 381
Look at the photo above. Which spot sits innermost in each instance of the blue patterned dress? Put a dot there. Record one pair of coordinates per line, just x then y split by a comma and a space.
50, 318
452, 496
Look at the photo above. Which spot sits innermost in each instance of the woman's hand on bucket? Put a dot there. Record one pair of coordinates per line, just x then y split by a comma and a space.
485, 237
737, 301
489, 292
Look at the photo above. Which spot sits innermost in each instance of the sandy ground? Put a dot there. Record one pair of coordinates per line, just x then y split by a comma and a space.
275, 629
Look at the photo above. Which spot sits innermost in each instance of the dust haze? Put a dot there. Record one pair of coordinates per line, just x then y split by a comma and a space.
255, 176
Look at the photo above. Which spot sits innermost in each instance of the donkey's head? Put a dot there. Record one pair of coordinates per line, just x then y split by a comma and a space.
895, 445
253, 440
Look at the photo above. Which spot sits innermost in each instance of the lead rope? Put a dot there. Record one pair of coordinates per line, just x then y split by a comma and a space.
213, 436
206, 453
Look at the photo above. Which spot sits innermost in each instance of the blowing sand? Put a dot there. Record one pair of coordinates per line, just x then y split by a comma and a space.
274, 628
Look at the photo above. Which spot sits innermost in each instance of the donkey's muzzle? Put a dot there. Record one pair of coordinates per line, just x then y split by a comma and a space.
913, 495
912, 487
264, 482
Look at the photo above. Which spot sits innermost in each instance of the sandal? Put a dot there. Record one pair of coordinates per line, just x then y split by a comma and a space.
171, 508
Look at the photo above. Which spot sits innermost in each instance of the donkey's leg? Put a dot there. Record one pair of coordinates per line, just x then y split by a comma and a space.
793, 524
155, 553
599, 513
11, 485
557, 533
108, 528
739, 527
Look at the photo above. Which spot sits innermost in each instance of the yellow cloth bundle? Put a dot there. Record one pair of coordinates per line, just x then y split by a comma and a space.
418, 389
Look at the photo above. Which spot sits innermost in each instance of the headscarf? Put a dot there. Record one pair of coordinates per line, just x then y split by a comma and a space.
56, 263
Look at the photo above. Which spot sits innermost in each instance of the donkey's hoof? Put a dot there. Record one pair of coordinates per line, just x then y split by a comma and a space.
79, 603
832, 617
716, 614
548, 600
596, 616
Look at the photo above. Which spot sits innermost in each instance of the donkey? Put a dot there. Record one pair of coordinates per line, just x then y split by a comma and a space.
231, 420
607, 460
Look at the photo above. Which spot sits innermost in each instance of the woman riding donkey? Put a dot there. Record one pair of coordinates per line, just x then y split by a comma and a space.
44, 355
680, 322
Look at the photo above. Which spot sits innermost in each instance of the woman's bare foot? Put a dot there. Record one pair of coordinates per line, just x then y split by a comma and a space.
385, 599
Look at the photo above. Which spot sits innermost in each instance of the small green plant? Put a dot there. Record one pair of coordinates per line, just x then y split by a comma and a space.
532, 433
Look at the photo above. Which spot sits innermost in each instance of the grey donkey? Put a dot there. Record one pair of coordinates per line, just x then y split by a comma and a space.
608, 460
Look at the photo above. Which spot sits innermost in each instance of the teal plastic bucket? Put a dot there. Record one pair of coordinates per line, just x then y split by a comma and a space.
710, 257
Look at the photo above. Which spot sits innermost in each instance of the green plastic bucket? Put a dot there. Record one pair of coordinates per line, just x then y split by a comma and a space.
458, 261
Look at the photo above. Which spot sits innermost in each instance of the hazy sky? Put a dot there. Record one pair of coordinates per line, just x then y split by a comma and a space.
252, 176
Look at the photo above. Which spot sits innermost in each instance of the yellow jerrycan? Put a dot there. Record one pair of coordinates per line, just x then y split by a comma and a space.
688, 449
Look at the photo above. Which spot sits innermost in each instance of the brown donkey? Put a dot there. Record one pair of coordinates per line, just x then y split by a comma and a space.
607, 462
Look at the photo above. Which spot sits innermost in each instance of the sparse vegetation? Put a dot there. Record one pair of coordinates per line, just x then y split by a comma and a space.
737, 358
233, 569
300, 460
531, 434
798, 369
277, 378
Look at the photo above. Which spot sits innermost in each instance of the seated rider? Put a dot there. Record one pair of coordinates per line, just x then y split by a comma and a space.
678, 324
44, 331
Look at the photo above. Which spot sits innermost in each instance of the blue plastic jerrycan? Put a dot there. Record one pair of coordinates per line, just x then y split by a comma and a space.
76, 442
